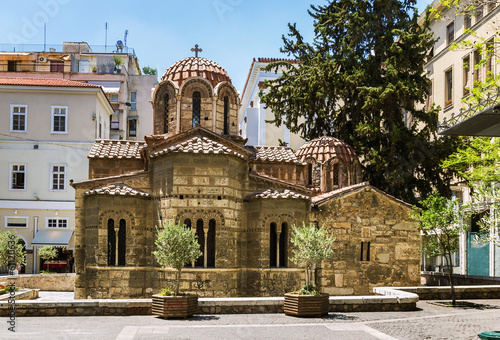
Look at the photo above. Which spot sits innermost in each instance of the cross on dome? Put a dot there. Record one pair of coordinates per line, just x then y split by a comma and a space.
196, 50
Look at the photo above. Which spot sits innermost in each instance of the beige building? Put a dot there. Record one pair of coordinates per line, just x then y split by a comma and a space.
115, 68
453, 73
240, 200
253, 114
48, 127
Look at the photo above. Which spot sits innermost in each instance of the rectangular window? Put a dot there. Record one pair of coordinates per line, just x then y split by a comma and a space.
11, 66
490, 54
57, 223
430, 98
18, 118
467, 21
57, 66
59, 119
133, 100
132, 127
16, 222
450, 33
113, 97
491, 6
479, 13
448, 87
466, 77
478, 56
58, 175
18, 177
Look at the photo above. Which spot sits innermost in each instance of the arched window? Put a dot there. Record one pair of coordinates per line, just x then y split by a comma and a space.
166, 99
200, 262
196, 108
211, 244
122, 234
309, 174
111, 243
226, 115
272, 245
283, 251
336, 174
187, 223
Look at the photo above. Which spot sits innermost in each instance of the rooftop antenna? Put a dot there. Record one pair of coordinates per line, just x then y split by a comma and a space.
106, 38
125, 38
44, 36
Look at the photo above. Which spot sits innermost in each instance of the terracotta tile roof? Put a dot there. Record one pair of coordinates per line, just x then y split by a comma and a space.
118, 190
275, 154
276, 193
194, 67
324, 148
116, 149
198, 144
44, 82
271, 60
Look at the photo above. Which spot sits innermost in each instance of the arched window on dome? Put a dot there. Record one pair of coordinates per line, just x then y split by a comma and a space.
200, 262
166, 100
111, 243
226, 115
196, 108
122, 242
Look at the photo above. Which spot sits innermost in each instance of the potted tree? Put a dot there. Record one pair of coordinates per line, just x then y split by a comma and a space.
47, 253
118, 61
312, 245
177, 246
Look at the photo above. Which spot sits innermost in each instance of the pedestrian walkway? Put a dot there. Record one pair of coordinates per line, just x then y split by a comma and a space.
50, 296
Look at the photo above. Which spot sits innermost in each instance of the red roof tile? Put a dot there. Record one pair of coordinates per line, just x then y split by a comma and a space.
196, 67
276, 193
44, 82
199, 144
116, 149
324, 148
275, 154
118, 190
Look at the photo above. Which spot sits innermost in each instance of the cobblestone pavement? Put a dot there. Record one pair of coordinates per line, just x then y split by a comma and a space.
429, 322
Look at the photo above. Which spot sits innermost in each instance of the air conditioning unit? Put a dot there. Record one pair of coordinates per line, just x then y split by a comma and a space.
42, 59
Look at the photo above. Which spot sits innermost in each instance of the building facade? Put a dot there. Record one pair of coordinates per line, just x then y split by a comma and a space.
254, 114
240, 200
48, 128
115, 68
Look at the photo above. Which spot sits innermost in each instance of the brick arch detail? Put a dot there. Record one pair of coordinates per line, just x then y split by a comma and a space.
279, 219
205, 215
196, 84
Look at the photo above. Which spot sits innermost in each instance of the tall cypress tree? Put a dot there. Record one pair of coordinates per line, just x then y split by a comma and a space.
360, 80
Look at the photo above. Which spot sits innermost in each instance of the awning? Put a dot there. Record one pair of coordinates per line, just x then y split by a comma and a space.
52, 237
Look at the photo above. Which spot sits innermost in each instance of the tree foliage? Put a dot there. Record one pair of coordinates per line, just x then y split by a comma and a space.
47, 252
441, 222
177, 246
312, 245
362, 80
149, 70
12, 249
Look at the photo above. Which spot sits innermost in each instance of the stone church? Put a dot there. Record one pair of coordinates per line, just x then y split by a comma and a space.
240, 200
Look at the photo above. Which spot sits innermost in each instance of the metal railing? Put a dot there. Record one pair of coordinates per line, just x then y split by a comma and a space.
492, 99
65, 48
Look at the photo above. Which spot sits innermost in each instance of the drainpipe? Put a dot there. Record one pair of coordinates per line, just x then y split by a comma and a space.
34, 247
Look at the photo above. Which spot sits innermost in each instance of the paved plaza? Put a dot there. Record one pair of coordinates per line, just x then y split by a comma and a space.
428, 322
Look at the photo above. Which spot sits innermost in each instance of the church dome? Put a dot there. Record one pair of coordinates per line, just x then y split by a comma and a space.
196, 67
324, 148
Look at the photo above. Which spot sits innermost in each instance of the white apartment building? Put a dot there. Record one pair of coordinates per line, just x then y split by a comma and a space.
47, 129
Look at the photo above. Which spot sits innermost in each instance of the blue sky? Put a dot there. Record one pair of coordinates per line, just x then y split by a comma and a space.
230, 32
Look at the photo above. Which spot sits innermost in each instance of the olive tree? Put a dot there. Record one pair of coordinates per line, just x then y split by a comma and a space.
11, 249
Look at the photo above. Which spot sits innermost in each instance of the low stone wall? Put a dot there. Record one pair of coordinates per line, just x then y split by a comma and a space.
462, 292
441, 279
44, 282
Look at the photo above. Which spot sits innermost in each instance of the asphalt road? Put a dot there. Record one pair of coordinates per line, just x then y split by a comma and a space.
429, 322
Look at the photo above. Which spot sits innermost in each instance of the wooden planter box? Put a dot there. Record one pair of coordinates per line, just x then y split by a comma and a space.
175, 306
306, 305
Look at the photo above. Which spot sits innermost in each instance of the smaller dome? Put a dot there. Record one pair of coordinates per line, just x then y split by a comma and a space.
196, 67
324, 148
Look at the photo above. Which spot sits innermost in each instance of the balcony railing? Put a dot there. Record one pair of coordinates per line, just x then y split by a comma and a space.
69, 48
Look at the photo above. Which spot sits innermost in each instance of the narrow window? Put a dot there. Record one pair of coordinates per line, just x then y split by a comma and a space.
18, 118
122, 242
478, 56
166, 99
272, 245
132, 127
430, 99
336, 174
200, 262
133, 100
59, 119
450, 33
283, 246
467, 21
365, 251
111, 243
211, 244
479, 13
490, 53
448, 90
226, 115
309, 174
18, 177
196, 108
466, 77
